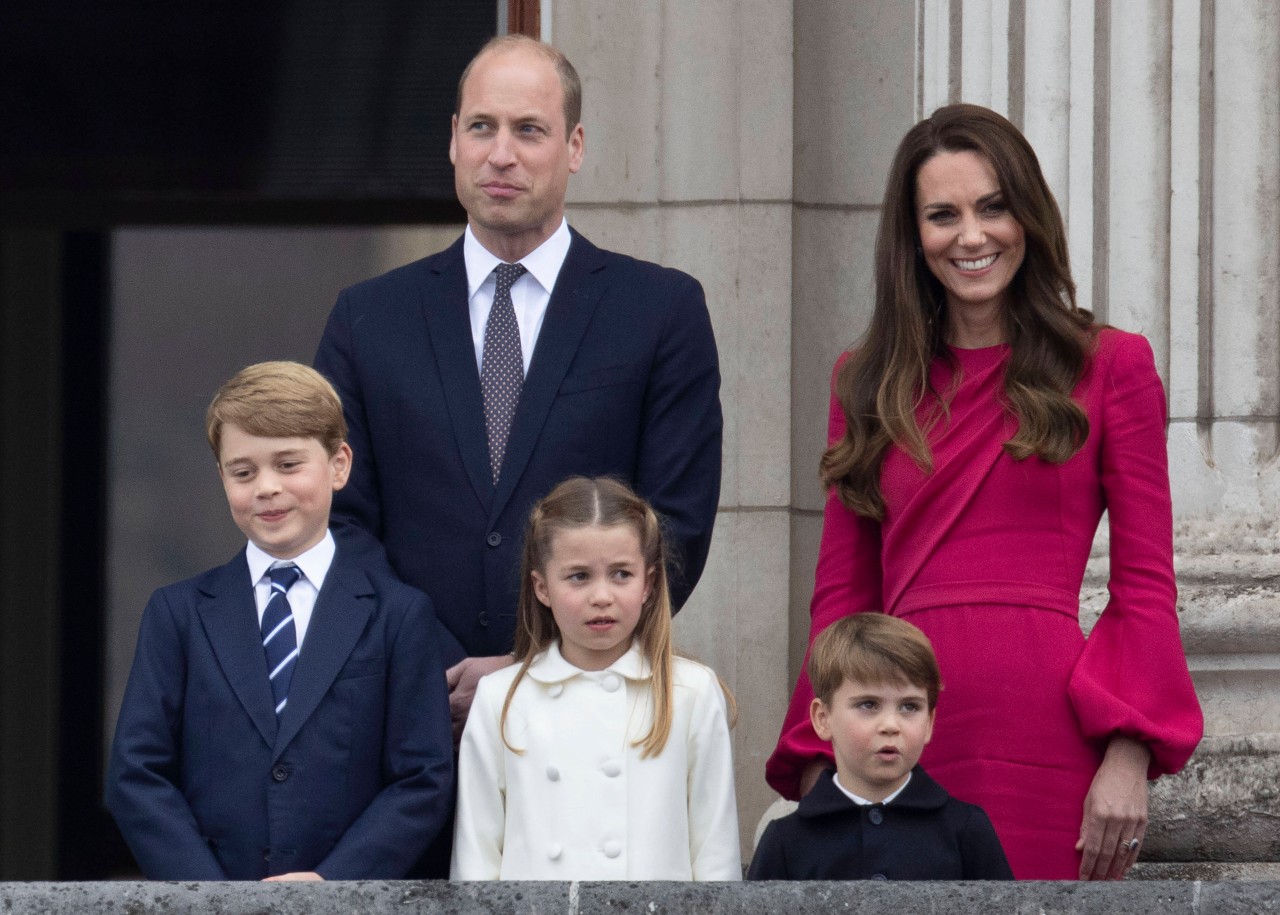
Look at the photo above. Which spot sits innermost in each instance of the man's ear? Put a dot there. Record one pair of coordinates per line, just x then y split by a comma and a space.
577, 148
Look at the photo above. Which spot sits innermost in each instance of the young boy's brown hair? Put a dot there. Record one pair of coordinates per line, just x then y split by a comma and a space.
873, 648
278, 400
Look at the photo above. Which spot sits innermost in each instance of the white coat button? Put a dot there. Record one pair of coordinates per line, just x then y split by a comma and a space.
611, 683
553, 773
555, 690
612, 848
554, 852
611, 768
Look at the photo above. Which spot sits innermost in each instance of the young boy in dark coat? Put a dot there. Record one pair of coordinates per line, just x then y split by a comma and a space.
286, 717
878, 816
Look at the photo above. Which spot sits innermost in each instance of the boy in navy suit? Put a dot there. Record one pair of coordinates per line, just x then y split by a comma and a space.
286, 715
878, 816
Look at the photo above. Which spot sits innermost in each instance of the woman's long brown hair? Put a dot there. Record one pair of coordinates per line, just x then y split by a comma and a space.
886, 377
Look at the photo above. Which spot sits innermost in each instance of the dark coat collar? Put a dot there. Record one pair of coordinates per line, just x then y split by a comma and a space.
921, 793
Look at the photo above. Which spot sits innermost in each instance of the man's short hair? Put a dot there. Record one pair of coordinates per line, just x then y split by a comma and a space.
873, 648
278, 400
570, 85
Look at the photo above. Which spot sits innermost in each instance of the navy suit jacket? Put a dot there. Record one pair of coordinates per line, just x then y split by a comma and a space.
924, 834
353, 781
624, 381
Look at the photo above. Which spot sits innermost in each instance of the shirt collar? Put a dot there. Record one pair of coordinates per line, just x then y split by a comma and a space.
543, 262
314, 563
862, 801
828, 797
551, 667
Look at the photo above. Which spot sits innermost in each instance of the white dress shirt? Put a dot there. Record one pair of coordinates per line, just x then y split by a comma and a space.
529, 294
314, 564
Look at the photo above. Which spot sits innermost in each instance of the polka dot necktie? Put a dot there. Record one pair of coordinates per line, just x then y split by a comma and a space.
501, 366
279, 635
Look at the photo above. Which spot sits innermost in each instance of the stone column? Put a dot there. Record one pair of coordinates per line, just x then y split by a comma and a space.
687, 108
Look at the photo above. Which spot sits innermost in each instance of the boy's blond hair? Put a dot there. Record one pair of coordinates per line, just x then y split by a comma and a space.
873, 648
278, 400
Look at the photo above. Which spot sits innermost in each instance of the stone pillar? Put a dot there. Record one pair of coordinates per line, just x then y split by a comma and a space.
855, 97
687, 109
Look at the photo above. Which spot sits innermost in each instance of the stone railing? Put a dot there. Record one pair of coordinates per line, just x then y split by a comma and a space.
1167, 897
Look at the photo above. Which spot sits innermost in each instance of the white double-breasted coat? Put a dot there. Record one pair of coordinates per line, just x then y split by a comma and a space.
580, 803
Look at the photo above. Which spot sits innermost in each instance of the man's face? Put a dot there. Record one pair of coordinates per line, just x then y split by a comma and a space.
510, 153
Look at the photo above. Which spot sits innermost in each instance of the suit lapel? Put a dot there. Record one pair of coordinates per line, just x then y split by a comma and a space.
230, 618
341, 613
444, 303
578, 289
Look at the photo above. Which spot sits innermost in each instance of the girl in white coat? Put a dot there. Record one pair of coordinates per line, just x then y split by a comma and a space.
599, 756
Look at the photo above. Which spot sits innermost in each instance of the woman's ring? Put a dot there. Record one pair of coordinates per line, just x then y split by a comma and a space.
1131, 845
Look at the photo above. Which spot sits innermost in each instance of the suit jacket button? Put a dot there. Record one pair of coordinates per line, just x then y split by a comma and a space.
612, 848
554, 852
280, 773
879, 877
875, 816
494, 539
553, 773
611, 682
555, 689
611, 768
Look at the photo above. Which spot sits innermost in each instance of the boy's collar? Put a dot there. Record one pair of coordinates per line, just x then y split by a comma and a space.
866, 802
920, 793
314, 563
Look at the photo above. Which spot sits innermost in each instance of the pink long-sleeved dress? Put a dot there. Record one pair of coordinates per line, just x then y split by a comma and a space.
986, 555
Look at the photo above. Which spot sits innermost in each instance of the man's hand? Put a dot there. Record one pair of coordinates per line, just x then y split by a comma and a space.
1115, 812
462, 678
293, 877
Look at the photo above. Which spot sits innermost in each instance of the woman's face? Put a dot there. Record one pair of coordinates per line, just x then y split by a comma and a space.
971, 241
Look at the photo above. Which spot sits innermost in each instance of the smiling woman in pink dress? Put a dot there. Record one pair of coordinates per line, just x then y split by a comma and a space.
977, 433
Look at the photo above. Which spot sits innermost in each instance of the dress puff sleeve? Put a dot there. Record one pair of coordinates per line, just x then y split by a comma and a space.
848, 580
1132, 677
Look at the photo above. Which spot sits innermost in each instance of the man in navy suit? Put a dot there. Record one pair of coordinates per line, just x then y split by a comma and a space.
620, 373
286, 715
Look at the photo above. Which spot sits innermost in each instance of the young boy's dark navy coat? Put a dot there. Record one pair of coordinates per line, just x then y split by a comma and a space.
924, 834
352, 783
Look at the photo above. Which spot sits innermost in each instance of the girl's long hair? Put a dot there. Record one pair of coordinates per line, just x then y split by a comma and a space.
886, 377
600, 502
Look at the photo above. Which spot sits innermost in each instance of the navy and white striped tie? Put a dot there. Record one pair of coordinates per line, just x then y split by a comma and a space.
279, 637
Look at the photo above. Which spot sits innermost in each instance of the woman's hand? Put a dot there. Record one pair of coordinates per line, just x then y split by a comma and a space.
1115, 811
